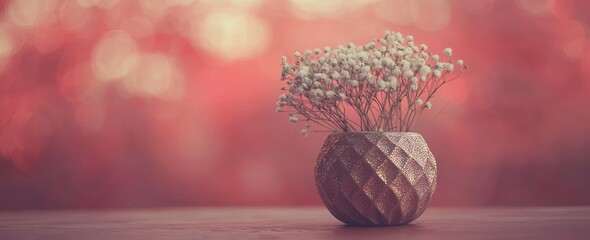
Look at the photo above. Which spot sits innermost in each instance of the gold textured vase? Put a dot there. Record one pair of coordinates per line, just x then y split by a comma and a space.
376, 178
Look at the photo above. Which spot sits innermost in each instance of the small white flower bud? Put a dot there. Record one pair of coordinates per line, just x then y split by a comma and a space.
414, 87
336, 75
381, 85
449, 67
436, 73
409, 73
423, 47
410, 38
376, 63
341, 95
424, 55
424, 70
345, 75
419, 101
448, 52
318, 92
330, 94
392, 80
408, 51
297, 54
354, 83
304, 132
377, 54
371, 79
460, 62
317, 51
435, 57
334, 61
327, 50
428, 105
293, 118
351, 62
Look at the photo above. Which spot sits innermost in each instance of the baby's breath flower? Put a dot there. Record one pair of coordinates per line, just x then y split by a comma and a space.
381, 85
449, 67
304, 132
424, 70
423, 55
293, 118
330, 94
448, 52
318, 92
392, 79
336, 75
377, 76
436, 73
409, 73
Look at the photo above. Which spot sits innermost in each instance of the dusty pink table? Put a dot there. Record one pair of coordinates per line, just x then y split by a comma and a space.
292, 223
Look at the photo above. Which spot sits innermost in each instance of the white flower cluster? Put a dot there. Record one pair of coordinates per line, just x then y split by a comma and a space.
325, 79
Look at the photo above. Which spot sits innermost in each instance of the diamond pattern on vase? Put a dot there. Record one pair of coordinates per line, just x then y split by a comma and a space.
376, 178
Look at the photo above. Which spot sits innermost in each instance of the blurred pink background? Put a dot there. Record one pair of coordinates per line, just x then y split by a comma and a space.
149, 103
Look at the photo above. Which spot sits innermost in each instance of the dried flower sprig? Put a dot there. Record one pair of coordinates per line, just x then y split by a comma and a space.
380, 86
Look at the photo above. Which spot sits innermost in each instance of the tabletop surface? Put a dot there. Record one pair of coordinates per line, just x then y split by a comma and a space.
293, 223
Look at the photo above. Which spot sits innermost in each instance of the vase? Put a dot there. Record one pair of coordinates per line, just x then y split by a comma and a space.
375, 178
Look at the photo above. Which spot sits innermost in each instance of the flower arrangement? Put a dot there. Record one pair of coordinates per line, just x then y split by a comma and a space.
380, 86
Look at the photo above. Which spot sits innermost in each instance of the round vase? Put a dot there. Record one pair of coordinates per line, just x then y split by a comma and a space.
375, 178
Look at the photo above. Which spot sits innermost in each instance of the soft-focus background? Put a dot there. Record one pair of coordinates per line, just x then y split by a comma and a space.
148, 103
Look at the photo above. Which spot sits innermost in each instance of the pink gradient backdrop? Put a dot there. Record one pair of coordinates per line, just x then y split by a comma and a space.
112, 103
